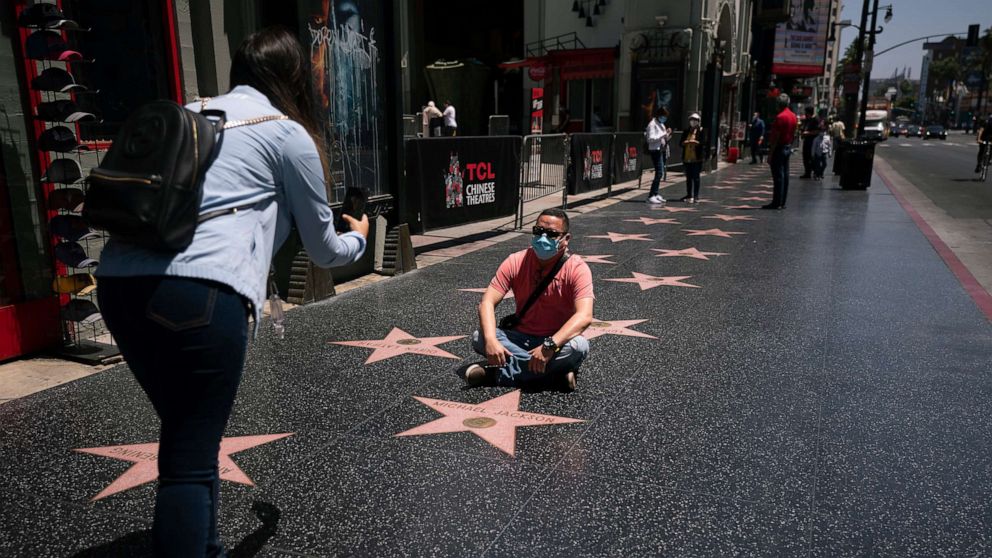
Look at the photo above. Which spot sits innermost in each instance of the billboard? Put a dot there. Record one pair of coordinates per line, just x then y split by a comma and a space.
801, 41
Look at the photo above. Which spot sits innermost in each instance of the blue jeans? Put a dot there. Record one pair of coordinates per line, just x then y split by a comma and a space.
515, 372
692, 171
658, 160
185, 341
779, 162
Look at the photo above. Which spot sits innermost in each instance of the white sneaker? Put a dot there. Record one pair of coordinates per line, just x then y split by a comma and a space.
656, 199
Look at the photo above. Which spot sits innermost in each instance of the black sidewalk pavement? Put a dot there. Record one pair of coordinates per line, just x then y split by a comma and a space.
821, 389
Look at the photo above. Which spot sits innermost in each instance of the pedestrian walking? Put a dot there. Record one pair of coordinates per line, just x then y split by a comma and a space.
181, 318
694, 152
657, 136
450, 123
757, 138
783, 133
810, 129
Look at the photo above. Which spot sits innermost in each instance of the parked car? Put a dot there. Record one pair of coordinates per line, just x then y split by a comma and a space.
899, 130
935, 131
914, 131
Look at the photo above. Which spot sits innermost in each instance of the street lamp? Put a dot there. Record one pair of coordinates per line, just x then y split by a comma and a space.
868, 58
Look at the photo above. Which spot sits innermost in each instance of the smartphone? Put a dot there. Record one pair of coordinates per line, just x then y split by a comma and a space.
353, 205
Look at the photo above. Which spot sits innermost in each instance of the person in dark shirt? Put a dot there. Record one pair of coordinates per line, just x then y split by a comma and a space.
984, 137
811, 126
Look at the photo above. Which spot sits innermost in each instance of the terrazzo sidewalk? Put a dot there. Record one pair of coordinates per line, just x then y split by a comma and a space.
806, 382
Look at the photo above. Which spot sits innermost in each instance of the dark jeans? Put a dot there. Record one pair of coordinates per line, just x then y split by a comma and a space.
819, 165
658, 161
779, 162
808, 155
185, 342
756, 152
450, 131
692, 171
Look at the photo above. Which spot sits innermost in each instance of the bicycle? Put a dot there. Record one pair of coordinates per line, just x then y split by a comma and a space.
986, 148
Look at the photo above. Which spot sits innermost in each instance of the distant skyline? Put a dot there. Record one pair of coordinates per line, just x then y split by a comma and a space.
912, 19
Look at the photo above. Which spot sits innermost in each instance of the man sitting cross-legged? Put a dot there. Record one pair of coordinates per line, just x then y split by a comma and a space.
545, 346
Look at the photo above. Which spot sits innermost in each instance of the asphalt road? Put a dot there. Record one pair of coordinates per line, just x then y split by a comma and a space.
942, 170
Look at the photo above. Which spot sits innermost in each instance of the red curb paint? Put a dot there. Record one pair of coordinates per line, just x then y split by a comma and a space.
971, 285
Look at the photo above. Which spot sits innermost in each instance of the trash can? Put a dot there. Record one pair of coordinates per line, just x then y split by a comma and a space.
839, 155
733, 154
859, 157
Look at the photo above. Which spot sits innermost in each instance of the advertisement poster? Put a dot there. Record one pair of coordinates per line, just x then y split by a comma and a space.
801, 42
536, 110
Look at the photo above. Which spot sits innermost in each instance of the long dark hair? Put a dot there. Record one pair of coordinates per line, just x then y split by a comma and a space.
272, 60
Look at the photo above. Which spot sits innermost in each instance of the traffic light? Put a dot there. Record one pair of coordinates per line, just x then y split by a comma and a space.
972, 35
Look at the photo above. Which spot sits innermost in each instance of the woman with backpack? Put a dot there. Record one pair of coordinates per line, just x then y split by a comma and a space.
181, 318
657, 135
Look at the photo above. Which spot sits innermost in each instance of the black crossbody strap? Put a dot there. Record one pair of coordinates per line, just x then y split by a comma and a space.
544, 285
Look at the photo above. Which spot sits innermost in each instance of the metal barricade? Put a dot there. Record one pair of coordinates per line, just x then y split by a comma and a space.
544, 162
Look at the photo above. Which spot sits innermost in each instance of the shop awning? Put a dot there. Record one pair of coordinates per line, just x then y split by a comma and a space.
580, 63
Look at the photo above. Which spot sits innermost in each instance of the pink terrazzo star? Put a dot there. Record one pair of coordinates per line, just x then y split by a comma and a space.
688, 253
650, 281
723, 217
619, 237
675, 209
761, 191
741, 207
495, 421
601, 258
509, 294
723, 187
712, 232
650, 221
617, 327
399, 342
752, 198
145, 459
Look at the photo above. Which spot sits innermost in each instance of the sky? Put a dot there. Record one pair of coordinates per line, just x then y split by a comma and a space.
911, 19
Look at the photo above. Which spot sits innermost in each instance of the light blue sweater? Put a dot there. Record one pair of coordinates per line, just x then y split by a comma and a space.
274, 165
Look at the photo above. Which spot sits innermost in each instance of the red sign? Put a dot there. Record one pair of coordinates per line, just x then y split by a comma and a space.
537, 73
536, 110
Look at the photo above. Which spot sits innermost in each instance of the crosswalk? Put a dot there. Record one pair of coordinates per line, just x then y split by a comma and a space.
890, 145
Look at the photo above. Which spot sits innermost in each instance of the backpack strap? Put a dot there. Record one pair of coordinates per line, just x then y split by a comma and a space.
542, 286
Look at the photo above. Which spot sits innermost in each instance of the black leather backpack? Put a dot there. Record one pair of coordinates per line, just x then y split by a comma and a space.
148, 187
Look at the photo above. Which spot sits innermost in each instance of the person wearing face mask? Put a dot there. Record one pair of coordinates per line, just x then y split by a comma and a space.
693, 154
656, 135
541, 343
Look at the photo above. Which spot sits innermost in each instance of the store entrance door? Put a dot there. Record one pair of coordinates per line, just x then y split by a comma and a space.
26, 326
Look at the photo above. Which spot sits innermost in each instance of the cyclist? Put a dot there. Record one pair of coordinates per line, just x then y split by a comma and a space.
984, 137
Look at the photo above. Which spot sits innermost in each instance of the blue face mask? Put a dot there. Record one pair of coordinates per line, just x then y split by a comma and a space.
662, 119
544, 247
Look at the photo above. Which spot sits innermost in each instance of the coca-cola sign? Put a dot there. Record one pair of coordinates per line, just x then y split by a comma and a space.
537, 73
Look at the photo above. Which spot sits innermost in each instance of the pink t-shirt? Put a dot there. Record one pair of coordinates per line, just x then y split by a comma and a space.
521, 273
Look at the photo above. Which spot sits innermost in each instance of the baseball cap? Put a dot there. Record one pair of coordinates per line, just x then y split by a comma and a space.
694, 116
71, 227
73, 255
77, 284
64, 171
49, 45
47, 16
62, 110
56, 79
60, 139
69, 199
81, 310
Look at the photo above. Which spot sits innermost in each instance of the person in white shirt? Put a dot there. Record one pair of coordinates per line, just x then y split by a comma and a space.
657, 135
429, 113
450, 124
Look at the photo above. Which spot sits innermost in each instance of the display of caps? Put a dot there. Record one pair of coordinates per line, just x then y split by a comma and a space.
69, 199
60, 139
81, 310
49, 45
47, 16
71, 227
63, 171
56, 79
62, 110
73, 255
77, 284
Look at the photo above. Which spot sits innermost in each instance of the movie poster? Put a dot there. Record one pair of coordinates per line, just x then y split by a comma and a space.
801, 41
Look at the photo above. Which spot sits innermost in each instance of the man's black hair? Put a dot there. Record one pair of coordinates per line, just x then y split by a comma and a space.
558, 213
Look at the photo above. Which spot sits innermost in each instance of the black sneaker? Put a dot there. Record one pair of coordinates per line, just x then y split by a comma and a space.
570, 380
475, 375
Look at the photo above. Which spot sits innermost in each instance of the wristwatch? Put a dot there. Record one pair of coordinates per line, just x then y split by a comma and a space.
549, 344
